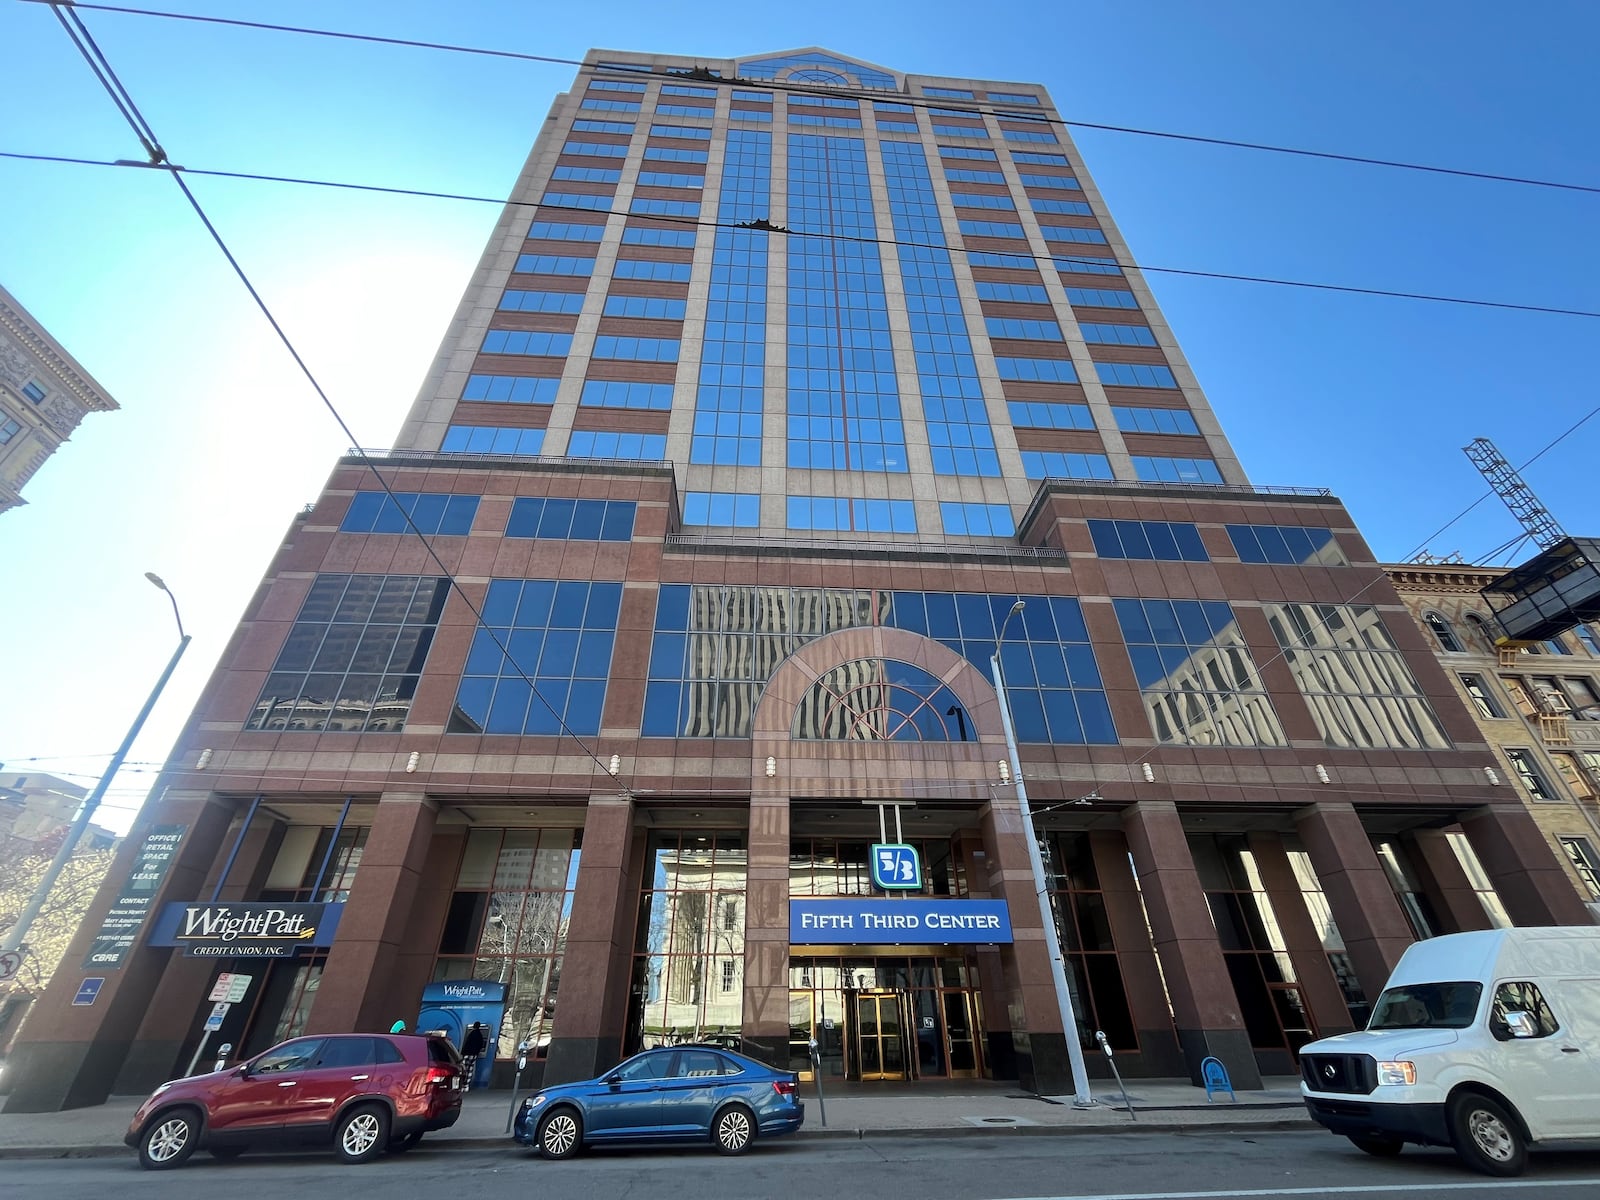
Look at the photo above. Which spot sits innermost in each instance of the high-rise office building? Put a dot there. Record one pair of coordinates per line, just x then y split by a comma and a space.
786, 389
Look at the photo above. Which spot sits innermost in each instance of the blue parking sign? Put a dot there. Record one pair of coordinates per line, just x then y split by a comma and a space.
88, 990
895, 866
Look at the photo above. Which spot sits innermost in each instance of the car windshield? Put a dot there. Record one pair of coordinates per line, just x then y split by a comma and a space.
1427, 1006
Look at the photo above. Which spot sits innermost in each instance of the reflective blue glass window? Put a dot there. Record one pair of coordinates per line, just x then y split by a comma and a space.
1050, 464
1029, 135
971, 131
730, 386
1176, 470
1135, 375
749, 114
843, 393
588, 174
1117, 335
541, 665
1075, 207
681, 131
594, 104
960, 175
851, 516
510, 389
1199, 684
595, 150
1154, 420
1083, 265
1037, 370
740, 510
634, 236
961, 440
542, 302
609, 393
675, 154
566, 231
603, 126
1102, 297
683, 89
755, 97
1012, 327
553, 264
988, 258
430, 513
615, 85
1012, 98
354, 655
636, 349
1040, 414
521, 341
1288, 545
801, 118
977, 520
577, 200
649, 206
666, 179
1048, 181
967, 152
1166, 541
661, 272
1071, 233
1033, 156
574, 520
816, 67
591, 443
1023, 293
492, 439
654, 307
949, 93
685, 110
981, 200
1006, 229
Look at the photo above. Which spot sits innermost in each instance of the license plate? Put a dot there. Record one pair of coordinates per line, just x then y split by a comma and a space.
455, 1083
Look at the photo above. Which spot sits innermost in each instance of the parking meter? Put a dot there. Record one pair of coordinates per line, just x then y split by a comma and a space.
222, 1056
1105, 1046
816, 1077
516, 1083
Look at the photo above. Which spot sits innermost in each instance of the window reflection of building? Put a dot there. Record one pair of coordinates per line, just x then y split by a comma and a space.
1195, 674
1327, 928
1413, 901
876, 699
688, 980
1354, 679
1094, 971
508, 921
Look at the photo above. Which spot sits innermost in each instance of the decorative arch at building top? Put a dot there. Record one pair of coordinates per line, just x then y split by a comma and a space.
818, 66
881, 700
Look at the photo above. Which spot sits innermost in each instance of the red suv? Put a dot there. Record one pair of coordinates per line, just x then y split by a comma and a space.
361, 1093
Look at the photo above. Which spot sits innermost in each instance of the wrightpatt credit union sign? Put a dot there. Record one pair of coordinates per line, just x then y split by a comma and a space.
245, 929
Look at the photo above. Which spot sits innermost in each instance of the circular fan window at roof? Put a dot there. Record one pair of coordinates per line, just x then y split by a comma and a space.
880, 700
815, 75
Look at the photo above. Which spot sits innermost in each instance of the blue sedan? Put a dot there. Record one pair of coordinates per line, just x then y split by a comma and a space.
672, 1094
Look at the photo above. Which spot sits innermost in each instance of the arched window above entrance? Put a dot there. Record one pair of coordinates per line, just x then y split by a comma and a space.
881, 700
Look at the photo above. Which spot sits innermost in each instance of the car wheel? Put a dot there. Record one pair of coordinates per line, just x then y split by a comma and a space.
227, 1153
362, 1133
401, 1144
1487, 1137
169, 1140
1378, 1147
560, 1133
734, 1130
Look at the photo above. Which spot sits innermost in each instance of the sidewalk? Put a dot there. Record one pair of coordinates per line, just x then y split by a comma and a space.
853, 1111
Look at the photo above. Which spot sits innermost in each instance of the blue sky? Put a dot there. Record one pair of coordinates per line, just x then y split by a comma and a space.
220, 441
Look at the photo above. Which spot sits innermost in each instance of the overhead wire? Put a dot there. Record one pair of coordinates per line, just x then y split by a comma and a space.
107, 76
1000, 112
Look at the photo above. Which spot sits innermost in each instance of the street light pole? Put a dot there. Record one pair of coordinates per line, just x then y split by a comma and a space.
1082, 1098
41, 893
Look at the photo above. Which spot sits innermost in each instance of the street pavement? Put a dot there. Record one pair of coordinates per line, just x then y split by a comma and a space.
972, 1107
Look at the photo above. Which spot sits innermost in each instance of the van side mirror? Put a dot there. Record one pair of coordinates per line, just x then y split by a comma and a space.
1522, 1025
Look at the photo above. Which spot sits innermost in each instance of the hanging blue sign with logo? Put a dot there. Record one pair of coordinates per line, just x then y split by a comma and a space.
895, 866
878, 921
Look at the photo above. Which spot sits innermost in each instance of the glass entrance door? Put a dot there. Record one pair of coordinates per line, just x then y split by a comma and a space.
879, 1035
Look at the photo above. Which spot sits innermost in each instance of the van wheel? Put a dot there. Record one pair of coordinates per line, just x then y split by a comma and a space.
1378, 1147
362, 1134
1487, 1137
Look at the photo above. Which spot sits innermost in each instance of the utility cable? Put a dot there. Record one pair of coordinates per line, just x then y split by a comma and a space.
705, 78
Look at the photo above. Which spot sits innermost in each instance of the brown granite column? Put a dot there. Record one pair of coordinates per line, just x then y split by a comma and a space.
766, 933
1522, 867
1034, 1014
1159, 1054
1444, 882
596, 967
172, 1026
357, 991
1374, 927
69, 1055
1302, 939
989, 978
1205, 1009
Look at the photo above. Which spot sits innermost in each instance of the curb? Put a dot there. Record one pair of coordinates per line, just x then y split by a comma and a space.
1283, 1125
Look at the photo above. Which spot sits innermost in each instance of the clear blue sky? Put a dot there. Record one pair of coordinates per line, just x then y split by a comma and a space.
219, 441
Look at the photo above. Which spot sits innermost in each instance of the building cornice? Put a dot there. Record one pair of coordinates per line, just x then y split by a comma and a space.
1441, 577
30, 337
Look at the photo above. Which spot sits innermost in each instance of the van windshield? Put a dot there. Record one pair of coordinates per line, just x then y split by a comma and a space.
1427, 1006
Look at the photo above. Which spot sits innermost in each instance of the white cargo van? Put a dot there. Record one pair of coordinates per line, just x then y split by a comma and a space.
1482, 1041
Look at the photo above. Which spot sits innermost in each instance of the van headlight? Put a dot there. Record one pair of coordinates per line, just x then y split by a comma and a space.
1397, 1072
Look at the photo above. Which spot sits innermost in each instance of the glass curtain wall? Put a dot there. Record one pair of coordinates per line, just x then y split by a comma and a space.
1094, 972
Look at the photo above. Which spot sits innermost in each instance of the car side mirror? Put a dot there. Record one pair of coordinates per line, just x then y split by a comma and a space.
1522, 1025
614, 1080
243, 1071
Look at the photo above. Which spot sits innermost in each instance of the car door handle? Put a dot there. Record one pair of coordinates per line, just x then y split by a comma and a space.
287, 1083
358, 1077
1571, 1050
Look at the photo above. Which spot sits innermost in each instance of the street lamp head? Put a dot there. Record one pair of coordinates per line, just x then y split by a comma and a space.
1015, 608
156, 579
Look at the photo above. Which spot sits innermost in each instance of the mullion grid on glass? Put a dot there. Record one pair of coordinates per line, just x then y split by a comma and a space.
844, 399
1199, 684
729, 392
960, 437
354, 655
560, 635
1353, 677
